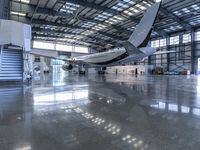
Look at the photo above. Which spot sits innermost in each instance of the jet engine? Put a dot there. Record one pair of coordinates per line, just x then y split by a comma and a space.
67, 67
104, 68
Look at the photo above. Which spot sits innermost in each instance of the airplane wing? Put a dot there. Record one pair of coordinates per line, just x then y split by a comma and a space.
50, 54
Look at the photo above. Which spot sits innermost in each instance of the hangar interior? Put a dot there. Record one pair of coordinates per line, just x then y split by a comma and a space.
103, 25
151, 103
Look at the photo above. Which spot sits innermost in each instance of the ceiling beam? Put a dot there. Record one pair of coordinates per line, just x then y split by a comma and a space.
91, 5
62, 34
29, 9
65, 25
43, 22
45, 38
55, 38
94, 40
183, 23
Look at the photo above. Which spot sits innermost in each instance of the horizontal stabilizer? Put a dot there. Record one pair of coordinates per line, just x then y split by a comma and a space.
163, 52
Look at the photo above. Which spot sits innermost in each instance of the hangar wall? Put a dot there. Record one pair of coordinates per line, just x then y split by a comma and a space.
186, 52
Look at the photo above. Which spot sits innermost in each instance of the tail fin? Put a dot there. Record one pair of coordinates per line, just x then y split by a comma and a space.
141, 34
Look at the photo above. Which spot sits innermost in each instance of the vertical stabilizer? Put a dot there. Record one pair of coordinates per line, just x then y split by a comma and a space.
141, 34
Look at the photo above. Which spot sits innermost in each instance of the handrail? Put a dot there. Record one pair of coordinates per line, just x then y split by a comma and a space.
1, 50
26, 66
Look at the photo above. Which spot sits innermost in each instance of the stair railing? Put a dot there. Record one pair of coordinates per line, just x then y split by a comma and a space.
27, 69
1, 50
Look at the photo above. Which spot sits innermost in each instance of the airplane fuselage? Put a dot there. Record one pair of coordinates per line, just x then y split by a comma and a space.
113, 57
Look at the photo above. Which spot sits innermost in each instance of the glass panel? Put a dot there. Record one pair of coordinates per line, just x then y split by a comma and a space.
43, 45
155, 43
162, 42
197, 36
61, 47
81, 49
186, 38
174, 40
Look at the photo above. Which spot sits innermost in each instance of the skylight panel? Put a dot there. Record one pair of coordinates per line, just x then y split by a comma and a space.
172, 28
110, 22
167, 30
107, 14
134, 10
88, 24
114, 19
177, 13
103, 16
49, 27
192, 23
119, 9
186, 10
69, 7
77, 31
178, 27
128, 13
68, 11
131, 11
17, 13
131, 28
195, 7
129, 1
24, 1
68, 35
99, 27
141, 7
120, 4
125, 6
71, 4
79, 37
118, 17
88, 32
144, 2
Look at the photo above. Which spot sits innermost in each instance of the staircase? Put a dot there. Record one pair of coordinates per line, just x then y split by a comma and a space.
11, 65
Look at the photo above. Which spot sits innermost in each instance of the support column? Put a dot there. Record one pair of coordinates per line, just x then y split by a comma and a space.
168, 49
73, 48
193, 55
149, 60
181, 48
4, 9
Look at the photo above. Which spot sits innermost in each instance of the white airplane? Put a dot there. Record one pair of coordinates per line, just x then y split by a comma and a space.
134, 49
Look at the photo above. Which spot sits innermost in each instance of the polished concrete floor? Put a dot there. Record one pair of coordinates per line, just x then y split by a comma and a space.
107, 112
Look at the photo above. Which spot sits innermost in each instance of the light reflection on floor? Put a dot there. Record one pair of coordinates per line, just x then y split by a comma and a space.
176, 108
99, 112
